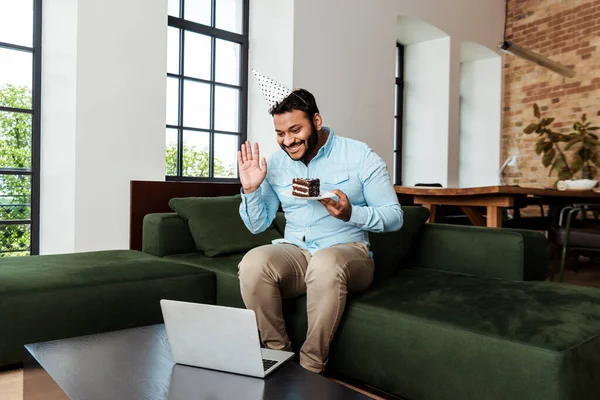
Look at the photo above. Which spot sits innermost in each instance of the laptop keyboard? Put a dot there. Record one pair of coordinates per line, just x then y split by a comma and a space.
268, 364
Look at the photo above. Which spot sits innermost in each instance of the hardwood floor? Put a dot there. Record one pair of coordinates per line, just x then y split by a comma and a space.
11, 385
588, 274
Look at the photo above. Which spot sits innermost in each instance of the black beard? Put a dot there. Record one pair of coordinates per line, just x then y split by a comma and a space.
313, 139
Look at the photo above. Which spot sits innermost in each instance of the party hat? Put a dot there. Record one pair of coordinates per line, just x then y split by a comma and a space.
273, 91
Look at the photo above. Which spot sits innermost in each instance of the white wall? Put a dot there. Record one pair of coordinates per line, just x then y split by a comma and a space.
112, 130
473, 21
271, 53
480, 21
427, 88
345, 55
58, 160
481, 96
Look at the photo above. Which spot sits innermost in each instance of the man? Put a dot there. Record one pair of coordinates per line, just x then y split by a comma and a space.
325, 252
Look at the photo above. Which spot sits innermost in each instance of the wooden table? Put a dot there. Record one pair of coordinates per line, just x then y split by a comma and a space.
136, 364
494, 198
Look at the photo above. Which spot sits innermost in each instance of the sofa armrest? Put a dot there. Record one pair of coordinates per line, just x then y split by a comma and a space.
164, 234
499, 253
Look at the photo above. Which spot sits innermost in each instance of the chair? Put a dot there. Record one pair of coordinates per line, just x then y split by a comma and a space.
538, 223
574, 231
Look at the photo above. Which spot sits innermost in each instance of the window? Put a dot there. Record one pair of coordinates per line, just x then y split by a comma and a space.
20, 73
207, 74
399, 118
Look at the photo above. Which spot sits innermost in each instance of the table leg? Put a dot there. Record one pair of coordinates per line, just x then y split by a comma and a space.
474, 215
432, 208
494, 217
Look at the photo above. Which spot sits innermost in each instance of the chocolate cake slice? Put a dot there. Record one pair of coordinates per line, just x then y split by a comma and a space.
306, 187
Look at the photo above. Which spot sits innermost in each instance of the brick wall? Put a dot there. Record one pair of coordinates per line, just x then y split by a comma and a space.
567, 31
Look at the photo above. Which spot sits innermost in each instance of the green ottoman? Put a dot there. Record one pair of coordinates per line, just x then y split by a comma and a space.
426, 334
58, 296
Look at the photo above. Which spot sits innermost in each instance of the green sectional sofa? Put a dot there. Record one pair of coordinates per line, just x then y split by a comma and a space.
464, 314
454, 313
57, 296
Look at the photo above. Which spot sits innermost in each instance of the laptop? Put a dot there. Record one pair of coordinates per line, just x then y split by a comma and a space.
218, 338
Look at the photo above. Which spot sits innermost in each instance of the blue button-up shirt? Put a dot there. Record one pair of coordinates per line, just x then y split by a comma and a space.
344, 164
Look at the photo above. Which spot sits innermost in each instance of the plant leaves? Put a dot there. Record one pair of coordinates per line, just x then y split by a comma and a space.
560, 163
546, 121
572, 143
556, 137
539, 146
564, 174
530, 128
536, 110
591, 143
548, 157
559, 166
585, 154
565, 138
576, 164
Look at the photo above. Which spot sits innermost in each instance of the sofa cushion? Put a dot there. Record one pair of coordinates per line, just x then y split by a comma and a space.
420, 332
58, 296
226, 270
390, 248
19, 275
217, 227
279, 222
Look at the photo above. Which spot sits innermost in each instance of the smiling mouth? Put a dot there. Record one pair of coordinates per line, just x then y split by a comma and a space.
294, 148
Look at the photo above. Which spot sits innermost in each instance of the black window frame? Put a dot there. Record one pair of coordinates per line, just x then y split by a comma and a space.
215, 33
399, 117
35, 112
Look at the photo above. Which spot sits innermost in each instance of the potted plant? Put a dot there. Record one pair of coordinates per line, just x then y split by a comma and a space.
582, 142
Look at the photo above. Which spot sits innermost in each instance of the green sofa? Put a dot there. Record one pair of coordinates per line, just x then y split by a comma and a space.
57, 296
465, 314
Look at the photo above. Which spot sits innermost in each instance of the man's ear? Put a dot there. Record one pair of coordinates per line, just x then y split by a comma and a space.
318, 121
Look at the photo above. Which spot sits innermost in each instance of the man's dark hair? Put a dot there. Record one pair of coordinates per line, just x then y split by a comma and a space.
299, 99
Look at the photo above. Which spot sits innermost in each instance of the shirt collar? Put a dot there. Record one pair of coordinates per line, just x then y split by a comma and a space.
328, 146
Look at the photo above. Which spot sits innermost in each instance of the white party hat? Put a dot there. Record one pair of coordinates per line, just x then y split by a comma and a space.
273, 91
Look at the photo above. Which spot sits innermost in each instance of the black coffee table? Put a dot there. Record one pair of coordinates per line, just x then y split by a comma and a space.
136, 364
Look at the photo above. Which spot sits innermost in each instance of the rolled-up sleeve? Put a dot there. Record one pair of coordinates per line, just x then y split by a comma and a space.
258, 208
382, 212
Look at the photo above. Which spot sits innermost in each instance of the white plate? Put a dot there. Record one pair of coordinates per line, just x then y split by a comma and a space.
326, 194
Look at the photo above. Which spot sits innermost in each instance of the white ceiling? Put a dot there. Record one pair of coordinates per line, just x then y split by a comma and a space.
471, 51
413, 30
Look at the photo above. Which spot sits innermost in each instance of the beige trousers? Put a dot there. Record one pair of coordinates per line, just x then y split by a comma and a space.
272, 272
